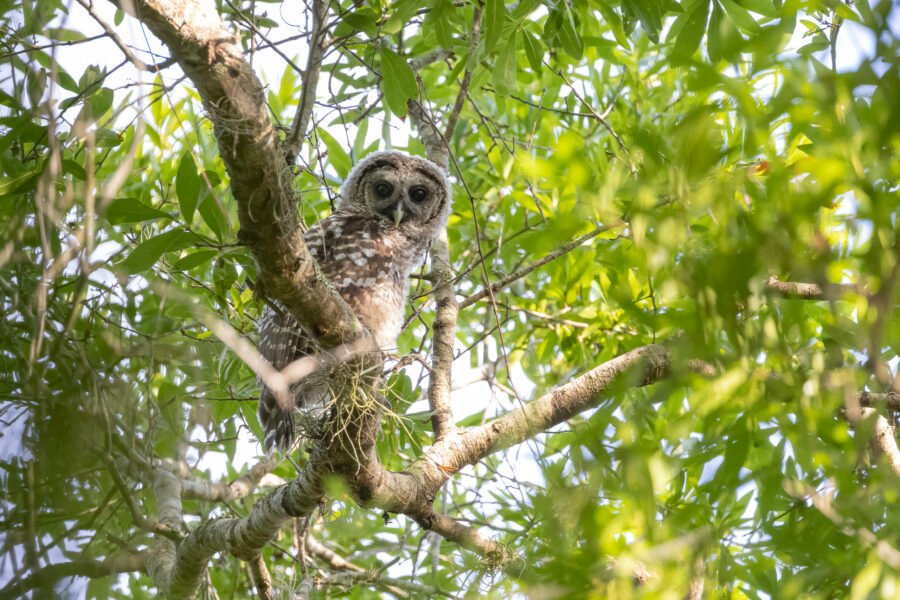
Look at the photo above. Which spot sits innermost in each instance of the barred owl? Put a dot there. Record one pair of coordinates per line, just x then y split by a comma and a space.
392, 207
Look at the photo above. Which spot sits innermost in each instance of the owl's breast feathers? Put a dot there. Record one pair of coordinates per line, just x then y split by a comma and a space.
369, 262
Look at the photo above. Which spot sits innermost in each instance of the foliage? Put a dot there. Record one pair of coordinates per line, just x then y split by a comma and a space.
717, 141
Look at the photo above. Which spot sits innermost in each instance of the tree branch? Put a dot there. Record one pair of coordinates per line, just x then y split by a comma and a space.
884, 440
495, 554
334, 560
310, 81
808, 291
261, 578
178, 571
111, 34
475, 37
890, 400
218, 491
115, 564
211, 56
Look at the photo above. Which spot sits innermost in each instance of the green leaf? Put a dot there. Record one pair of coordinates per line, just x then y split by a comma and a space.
359, 144
401, 13
398, 83
337, 156
62, 34
714, 37
100, 102
650, 13
107, 138
614, 22
740, 16
494, 17
187, 185
363, 20
762, 7
14, 183
132, 210
505, 70
212, 215
569, 37
195, 259
438, 20
149, 251
534, 51
75, 169
691, 33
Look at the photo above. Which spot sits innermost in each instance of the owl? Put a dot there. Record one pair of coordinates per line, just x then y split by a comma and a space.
391, 207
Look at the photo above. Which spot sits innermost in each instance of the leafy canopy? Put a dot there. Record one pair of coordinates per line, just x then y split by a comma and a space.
717, 142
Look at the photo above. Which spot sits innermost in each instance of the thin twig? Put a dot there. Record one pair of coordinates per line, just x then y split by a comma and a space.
561, 251
126, 50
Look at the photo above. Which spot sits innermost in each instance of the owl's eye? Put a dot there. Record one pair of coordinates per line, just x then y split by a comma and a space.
383, 189
418, 194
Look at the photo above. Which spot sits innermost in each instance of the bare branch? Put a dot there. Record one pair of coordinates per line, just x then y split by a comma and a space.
310, 81
442, 341
884, 440
261, 578
889, 400
399, 587
808, 291
140, 520
47, 576
649, 364
430, 58
179, 571
453, 117
334, 560
495, 554
111, 34
219, 491
695, 586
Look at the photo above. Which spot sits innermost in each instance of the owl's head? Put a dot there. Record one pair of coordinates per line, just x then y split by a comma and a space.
410, 192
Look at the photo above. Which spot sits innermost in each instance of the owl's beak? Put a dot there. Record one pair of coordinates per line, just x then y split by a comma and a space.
397, 214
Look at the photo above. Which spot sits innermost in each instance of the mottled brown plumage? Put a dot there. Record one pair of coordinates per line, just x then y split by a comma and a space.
392, 207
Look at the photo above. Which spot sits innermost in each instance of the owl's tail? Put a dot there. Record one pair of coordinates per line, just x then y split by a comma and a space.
277, 421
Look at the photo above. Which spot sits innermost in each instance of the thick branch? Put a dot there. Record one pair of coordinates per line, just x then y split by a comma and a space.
211, 56
884, 440
890, 400
178, 571
648, 364
46, 577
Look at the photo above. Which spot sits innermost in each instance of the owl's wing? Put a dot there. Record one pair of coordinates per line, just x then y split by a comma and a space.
281, 341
